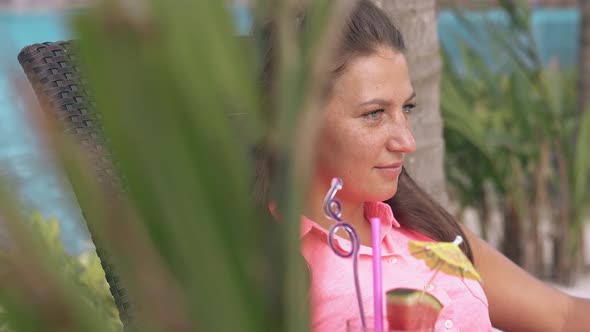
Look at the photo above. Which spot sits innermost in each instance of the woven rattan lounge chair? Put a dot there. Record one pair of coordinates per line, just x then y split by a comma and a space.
53, 73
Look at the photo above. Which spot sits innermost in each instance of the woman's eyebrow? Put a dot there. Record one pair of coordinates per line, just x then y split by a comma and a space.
411, 97
376, 101
383, 102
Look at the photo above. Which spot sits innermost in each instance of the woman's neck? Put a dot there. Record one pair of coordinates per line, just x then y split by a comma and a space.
352, 212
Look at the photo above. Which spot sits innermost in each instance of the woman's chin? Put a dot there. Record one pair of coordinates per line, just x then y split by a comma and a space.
390, 188
384, 194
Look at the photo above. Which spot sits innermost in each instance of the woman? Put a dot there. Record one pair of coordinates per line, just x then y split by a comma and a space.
363, 140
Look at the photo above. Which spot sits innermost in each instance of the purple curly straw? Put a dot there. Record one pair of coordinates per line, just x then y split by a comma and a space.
333, 210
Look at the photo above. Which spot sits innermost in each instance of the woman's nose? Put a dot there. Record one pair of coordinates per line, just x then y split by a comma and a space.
401, 139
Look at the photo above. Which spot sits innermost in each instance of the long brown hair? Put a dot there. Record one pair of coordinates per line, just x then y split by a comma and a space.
366, 29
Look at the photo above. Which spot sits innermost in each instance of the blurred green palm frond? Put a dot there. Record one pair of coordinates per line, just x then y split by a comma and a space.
513, 132
85, 270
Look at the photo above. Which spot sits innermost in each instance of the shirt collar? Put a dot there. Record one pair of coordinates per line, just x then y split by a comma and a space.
371, 209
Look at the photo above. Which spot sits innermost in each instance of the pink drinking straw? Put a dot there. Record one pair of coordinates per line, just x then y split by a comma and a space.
377, 274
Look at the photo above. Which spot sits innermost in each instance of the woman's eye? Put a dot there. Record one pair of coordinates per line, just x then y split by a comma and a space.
374, 115
408, 108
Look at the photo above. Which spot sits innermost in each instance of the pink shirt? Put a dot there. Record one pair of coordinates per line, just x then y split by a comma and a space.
333, 297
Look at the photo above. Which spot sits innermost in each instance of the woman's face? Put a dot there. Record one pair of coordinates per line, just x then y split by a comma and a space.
365, 127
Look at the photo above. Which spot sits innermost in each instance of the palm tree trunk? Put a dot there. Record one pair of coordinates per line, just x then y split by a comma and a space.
535, 240
417, 22
512, 242
562, 258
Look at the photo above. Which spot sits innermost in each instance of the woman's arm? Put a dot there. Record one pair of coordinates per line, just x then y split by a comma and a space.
577, 315
520, 302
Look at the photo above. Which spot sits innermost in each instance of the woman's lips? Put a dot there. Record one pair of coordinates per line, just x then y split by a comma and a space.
391, 170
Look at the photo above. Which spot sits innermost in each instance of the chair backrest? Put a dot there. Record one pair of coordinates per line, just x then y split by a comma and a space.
54, 75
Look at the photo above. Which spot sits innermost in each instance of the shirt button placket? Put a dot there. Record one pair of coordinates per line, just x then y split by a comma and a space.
391, 260
449, 324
